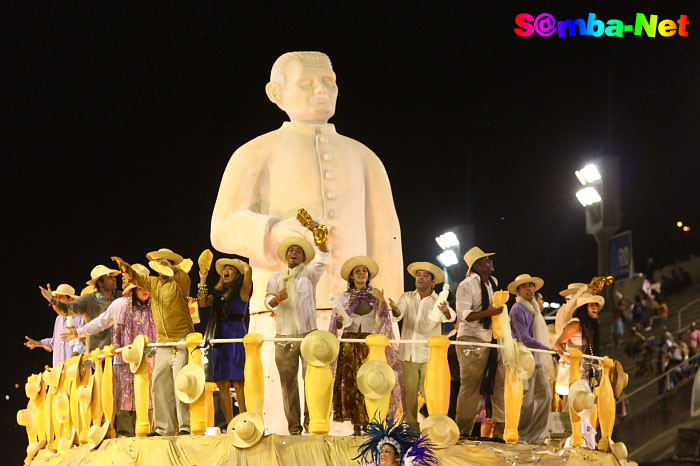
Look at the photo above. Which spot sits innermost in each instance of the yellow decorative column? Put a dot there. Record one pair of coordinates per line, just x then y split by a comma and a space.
254, 388
513, 400
96, 402
437, 376
72, 367
377, 352
108, 386
84, 398
574, 375
198, 419
40, 403
606, 406
142, 396
209, 389
319, 349
53, 380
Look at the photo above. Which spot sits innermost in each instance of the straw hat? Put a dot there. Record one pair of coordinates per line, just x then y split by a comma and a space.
441, 430
237, 263
32, 449
204, 261
375, 379
100, 271
572, 288
319, 348
33, 386
522, 279
87, 290
309, 251
618, 379
96, 434
525, 362
25, 417
189, 383
589, 298
61, 406
133, 353
473, 255
161, 269
164, 253
618, 449
437, 272
65, 290
581, 400
142, 270
245, 430
185, 265
353, 262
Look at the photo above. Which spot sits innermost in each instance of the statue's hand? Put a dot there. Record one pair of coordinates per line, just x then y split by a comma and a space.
289, 227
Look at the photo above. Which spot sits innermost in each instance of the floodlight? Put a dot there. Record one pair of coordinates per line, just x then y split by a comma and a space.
554, 305
545, 304
679, 224
447, 258
588, 196
447, 240
588, 174
686, 228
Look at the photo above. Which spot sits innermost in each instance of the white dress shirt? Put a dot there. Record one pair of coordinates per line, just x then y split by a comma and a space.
290, 321
419, 324
468, 301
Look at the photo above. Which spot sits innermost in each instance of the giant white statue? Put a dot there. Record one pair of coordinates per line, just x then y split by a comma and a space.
306, 163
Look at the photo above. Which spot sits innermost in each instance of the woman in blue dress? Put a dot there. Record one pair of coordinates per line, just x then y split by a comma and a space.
230, 305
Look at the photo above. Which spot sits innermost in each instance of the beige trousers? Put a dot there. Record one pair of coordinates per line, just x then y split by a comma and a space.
287, 359
413, 380
171, 414
472, 365
534, 414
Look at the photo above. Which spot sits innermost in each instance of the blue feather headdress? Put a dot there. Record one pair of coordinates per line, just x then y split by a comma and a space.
413, 450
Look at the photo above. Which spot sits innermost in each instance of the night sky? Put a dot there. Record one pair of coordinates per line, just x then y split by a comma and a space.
119, 122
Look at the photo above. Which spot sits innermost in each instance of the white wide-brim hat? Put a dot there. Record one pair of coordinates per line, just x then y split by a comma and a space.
100, 271
572, 288
164, 253
375, 379
309, 251
85, 394
473, 255
189, 383
133, 353
438, 274
237, 263
521, 280
581, 399
65, 289
319, 348
525, 361
96, 434
245, 430
161, 269
353, 262
586, 298
142, 270
442, 431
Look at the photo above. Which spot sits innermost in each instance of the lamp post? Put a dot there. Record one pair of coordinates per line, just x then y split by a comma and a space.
600, 196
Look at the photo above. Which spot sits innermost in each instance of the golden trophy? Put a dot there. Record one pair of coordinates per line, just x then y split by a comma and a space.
603, 282
320, 231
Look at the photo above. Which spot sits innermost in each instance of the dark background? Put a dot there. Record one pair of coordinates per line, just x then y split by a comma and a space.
120, 120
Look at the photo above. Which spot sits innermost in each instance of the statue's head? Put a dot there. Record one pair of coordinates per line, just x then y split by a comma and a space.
303, 85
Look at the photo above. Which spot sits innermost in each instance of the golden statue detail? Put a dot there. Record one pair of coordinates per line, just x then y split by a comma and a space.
320, 231
602, 282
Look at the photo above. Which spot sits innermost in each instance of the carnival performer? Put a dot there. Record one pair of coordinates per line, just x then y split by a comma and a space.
583, 332
130, 316
291, 296
92, 304
230, 306
367, 314
61, 350
394, 443
171, 314
528, 326
422, 317
481, 370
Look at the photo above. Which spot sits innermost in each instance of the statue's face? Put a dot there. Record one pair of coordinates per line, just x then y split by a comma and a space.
309, 92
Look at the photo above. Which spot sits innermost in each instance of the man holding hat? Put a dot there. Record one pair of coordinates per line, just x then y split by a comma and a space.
92, 304
481, 372
169, 291
291, 296
528, 327
61, 350
417, 309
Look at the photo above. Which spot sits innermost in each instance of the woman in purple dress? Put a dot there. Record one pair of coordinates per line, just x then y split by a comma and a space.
230, 305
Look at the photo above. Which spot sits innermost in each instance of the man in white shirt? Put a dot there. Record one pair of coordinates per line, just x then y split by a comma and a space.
291, 296
423, 317
481, 371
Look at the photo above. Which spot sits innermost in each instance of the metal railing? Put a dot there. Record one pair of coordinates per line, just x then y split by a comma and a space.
667, 373
695, 302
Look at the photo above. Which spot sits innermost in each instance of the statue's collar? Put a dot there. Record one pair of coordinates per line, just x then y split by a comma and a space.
309, 129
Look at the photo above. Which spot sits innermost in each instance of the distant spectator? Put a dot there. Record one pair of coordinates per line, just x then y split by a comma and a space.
636, 343
618, 329
667, 340
637, 309
659, 314
692, 339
